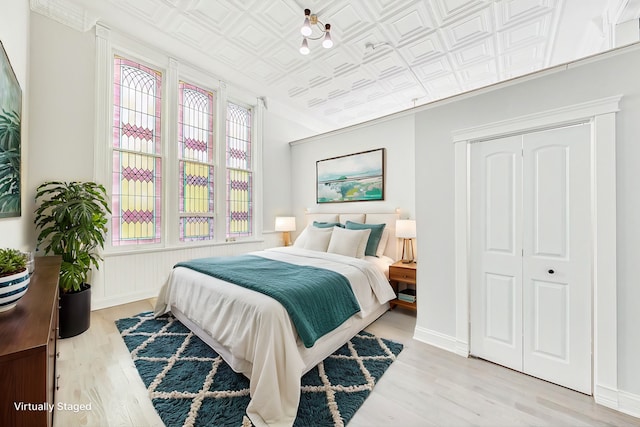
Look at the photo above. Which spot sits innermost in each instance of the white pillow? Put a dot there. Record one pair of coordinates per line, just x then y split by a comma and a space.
382, 246
317, 239
301, 239
348, 242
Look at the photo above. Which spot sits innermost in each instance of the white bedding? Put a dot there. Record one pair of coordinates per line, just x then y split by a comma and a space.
255, 335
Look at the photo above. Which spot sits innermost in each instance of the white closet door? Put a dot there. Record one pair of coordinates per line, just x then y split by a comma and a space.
530, 272
496, 247
556, 262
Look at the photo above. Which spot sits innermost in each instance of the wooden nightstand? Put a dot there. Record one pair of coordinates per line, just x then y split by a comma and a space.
402, 273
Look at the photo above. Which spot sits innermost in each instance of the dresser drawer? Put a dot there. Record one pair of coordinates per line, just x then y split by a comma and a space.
399, 274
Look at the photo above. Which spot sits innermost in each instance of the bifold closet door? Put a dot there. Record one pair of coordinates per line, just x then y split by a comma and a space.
556, 267
496, 251
530, 254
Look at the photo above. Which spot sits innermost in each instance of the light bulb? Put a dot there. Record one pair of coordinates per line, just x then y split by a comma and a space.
306, 28
327, 42
304, 49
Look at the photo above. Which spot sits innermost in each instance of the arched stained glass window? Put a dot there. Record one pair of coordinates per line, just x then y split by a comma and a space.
137, 165
195, 140
239, 172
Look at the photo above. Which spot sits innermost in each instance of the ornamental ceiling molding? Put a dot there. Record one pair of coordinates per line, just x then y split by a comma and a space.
65, 13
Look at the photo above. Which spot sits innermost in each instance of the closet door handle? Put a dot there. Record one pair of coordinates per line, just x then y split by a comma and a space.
551, 271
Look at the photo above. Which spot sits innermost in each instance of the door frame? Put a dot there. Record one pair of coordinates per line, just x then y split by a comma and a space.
600, 114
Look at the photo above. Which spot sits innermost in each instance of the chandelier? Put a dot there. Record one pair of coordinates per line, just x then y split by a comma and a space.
311, 22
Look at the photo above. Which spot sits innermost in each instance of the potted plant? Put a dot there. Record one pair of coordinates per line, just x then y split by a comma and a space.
14, 277
71, 218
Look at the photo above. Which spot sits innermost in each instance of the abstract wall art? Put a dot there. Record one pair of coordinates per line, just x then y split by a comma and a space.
351, 178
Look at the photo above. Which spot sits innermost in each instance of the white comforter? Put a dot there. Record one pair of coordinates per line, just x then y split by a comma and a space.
255, 332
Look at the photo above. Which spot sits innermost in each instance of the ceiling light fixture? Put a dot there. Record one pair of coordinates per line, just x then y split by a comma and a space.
311, 22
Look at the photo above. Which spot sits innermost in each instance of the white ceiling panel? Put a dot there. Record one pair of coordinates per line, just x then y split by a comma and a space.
449, 10
469, 29
188, 32
423, 49
278, 15
388, 55
215, 15
514, 12
433, 69
532, 32
409, 23
523, 61
150, 11
480, 51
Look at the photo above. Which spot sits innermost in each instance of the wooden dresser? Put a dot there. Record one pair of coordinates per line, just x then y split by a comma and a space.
28, 338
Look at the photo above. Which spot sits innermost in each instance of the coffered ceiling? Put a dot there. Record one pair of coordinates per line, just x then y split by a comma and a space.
388, 55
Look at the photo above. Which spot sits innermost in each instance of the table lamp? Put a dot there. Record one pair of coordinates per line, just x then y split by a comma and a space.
286, 224
406, 230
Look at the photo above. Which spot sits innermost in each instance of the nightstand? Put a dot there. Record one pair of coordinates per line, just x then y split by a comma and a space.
402, 273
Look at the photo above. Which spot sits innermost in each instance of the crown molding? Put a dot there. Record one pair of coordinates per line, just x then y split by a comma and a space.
65, 12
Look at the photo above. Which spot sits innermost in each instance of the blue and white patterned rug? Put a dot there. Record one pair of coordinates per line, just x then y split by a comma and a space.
190, 385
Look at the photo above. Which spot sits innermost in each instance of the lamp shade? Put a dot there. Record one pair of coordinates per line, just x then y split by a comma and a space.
305, 30
406, 228
285, 223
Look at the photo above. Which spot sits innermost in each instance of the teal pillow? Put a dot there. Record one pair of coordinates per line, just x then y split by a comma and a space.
327, 224
374, 237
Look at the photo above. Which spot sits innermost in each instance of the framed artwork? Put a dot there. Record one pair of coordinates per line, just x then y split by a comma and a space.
10, 115
352, 178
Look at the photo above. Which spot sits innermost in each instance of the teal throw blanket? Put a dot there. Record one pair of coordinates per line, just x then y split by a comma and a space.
317, 300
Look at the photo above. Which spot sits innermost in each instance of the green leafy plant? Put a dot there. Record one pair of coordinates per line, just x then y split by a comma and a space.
12, 261
9, 161
72, 219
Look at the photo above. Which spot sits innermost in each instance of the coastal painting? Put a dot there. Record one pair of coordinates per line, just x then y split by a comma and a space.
10, 114
351, 178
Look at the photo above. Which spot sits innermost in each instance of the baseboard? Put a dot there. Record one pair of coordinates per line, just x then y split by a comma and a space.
440, 340
621, 401
629, 403
100, 303
462, 348
606, 396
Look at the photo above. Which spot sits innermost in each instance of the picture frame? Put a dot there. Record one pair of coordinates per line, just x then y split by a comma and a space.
10, 139
353, 177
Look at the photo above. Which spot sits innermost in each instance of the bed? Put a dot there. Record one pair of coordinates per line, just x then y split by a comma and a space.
255, 334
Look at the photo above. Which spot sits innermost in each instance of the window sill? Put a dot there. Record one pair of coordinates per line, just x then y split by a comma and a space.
128, 250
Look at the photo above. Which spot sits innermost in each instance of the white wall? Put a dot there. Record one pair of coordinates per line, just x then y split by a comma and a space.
62, 104
63, 79
395, 135
14, 34
589, 80
278, 132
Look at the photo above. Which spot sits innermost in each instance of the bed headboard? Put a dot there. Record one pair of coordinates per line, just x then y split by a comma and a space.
393, 249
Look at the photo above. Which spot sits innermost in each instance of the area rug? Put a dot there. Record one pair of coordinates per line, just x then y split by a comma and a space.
190, 385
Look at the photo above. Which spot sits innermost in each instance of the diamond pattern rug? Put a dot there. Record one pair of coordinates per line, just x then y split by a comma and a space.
190, 385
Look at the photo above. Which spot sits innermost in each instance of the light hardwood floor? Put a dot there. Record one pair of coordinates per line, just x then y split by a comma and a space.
426, 386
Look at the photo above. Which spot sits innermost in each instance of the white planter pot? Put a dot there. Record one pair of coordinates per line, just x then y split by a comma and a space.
12, 288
